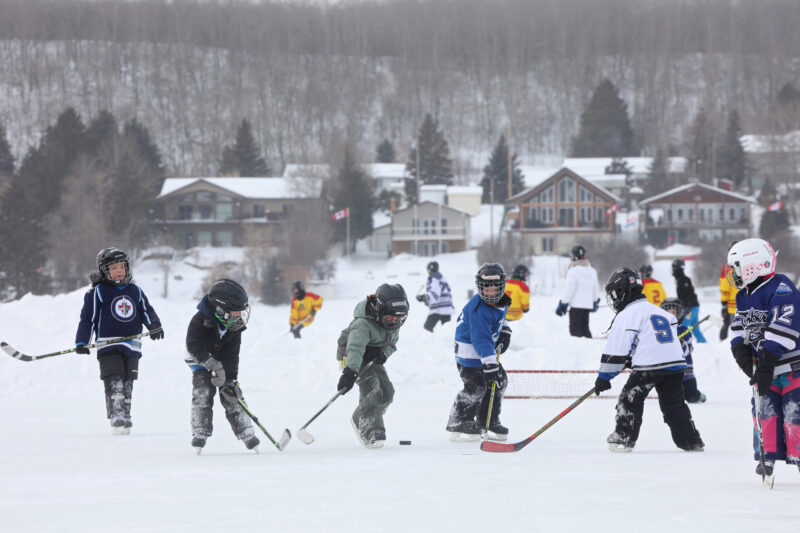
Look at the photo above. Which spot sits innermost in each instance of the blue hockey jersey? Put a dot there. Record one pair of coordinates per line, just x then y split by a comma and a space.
477, 329
112, 312
767, 319
687, 347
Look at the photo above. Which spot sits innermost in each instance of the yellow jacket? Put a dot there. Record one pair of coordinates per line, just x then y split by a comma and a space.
727, 292
520, 296
301, 309
654, 291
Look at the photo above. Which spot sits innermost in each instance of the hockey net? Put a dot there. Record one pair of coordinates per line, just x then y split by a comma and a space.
557, 384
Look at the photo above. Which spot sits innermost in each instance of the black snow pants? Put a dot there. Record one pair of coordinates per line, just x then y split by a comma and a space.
118, 372
579, 322
670, 399
472, 402
435, 318
203, 409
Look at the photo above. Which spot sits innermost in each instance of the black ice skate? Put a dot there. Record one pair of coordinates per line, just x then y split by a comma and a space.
767, 473
619, 444
376, 439
118, 426
198, 443
464, 432
251, 442
497, 432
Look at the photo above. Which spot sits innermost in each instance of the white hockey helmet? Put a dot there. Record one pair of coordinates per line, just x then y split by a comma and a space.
750, 259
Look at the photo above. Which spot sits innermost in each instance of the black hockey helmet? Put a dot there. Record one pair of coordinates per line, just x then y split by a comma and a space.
677, 266
520, 272
491, 275
391, 305
299, 290
433, 266
623, 286
229, 303
109, 256
577, 252
646, 271
674, 303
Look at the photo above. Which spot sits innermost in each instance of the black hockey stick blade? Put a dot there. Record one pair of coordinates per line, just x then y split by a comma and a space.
16, 354
500, 447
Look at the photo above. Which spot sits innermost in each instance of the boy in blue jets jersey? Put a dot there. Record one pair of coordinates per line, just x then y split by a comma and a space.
481, 334
114, 307
644, 337
764, 332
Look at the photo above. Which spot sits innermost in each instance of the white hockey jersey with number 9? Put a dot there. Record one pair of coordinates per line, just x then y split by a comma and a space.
646, 335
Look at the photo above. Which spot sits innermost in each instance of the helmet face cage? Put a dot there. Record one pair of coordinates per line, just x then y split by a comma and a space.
391, 306
646, 271
231, 322
110, 256
227, 297
677, 305
491, 275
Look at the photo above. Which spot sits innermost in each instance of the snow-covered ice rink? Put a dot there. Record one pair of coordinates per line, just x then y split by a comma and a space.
63, 471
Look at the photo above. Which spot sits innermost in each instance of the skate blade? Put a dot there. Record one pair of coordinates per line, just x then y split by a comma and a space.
255, 449
198, 450
496, 436
619, 448
120, 431
768, 482
374, 445
456, 436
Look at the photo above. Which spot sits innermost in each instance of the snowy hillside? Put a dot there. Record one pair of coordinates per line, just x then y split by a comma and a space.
63, 471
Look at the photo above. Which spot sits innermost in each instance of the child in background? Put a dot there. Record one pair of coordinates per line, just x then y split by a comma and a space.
675, 307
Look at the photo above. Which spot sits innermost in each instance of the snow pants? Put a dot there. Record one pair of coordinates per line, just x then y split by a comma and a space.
630, 407
691, 318
579, 322
118, 372
779, 410
203, 409
376, 394
435, 318
472, 402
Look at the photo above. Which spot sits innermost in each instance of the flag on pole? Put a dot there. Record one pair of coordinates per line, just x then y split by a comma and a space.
613, 209
339, 215
777, 206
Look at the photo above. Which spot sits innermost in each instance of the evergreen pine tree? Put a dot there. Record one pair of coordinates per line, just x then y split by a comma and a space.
354, 192
731, 158
148, 149
101, 128
658, 181
244, 157
385, 152
605, 129
436, 167
497, 171
6, 159
273, 288
701, 147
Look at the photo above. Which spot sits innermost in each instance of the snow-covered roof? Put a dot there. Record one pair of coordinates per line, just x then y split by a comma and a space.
597, 183
385, 170
307, 171
436, 187
594, 166
764, 144
534, 175
687, 186
261, 188
465, 189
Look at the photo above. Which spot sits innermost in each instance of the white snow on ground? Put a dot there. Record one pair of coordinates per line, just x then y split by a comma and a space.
63, 471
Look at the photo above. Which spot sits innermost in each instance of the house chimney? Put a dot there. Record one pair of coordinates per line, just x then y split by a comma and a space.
392, 205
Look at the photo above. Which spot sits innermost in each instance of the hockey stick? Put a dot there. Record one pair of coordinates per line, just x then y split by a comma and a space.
286, 436
306, 437
689, 330
16, 354
492, 446
766, 481
485, 430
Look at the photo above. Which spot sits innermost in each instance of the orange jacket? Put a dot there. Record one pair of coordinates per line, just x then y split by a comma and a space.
727, 292
301, 309
520, 296
654, 291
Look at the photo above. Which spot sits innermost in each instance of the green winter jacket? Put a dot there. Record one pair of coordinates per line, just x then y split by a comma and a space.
362, 332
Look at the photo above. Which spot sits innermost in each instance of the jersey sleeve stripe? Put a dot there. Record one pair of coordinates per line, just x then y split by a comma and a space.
787, 343
781, 330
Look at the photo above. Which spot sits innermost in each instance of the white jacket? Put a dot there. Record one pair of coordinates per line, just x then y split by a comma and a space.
582, 288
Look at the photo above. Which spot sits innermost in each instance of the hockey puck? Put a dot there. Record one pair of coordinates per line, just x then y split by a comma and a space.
405, 443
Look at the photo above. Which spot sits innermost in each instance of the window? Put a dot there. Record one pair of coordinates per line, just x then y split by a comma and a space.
444, 226
185, 239
288, 208
546, 196
732, 214
534, 199
205, 210
566, 190
547, 215
547, 244
258, 210
721, 215
185, 212
224, 238
585, 216
566, 217
599, 217
680, 214
532, 220
702, 215
445, 247
203, 238
224, 211
585, 195
690, 212
429, 248
204, 204
425, 227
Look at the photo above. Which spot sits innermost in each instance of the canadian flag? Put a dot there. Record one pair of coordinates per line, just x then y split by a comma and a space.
613, 209
339, 215
777, 206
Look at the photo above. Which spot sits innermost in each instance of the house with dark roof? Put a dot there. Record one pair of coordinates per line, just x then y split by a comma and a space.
560, 211
696, 211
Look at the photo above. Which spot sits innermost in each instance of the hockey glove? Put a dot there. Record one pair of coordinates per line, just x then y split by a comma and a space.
744, 358
561, 310
503, 341
156, 331
296, 330
374, 354
347, 380
81, 349
726, 316
596, 305
765, 372
423, 298
231, 391
491, 373
217, 371
313, 312
601, 385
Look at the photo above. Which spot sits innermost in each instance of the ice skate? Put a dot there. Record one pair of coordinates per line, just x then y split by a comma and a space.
618, 444
464, 432
376, 439
251, 442
118, 426
198, 443
358, 433
497, 432
767, 473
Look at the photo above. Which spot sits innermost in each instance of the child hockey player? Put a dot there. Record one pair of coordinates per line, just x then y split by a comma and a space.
212, 344
482, 332
653, 290
675, 307
644, 337
305, 305
438, 297
582, 296
517, 289
115, 307
372, 337
765, 330
686, 294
